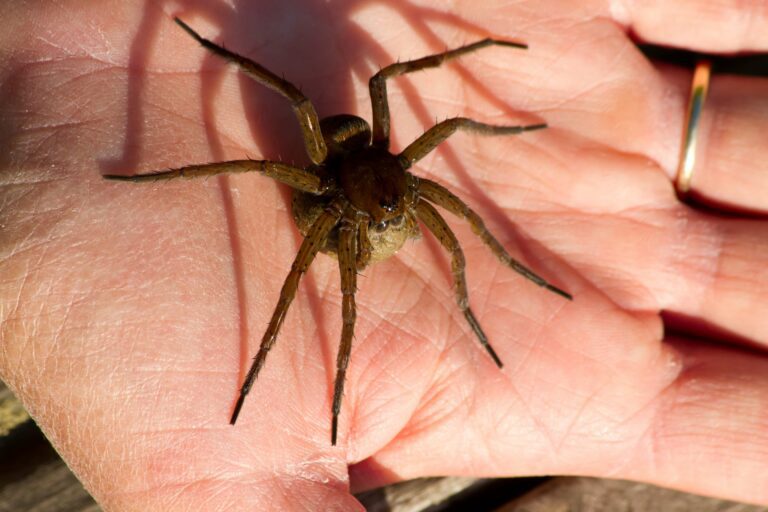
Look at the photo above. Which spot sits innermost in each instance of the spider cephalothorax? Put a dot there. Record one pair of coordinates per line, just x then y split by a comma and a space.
375, 183
357, 200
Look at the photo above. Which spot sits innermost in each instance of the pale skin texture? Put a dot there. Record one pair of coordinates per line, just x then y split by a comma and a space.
130, 311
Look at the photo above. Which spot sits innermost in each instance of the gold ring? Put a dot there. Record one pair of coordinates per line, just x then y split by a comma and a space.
699, 87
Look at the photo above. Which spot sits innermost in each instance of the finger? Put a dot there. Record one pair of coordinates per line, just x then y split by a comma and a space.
734, 293
682, 261
730, 171
703, 267
709, 433
616, 220
717, 26
731, 168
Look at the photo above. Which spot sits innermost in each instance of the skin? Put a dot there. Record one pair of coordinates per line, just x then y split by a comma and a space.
129, 313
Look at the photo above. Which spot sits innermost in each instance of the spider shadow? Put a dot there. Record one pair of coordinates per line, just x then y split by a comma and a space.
303, 50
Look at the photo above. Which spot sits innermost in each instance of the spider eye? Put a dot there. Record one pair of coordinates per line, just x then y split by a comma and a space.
381, 226
389, 205
397, 221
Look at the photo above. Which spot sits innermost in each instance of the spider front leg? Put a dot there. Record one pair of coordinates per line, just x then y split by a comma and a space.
444, 198
292, 176
303, 109
365, 249
312, 243
378, 83
347, 252
437, 225
430, 139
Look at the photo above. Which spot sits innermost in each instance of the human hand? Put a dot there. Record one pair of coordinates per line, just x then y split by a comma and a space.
131, 311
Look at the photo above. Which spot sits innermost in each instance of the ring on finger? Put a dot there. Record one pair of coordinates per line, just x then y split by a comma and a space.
699, 87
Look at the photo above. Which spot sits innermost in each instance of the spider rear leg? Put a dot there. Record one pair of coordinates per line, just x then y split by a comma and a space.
378, 83
348, 234
305, 112
437, 225
292, 176
312, 243
444, 198
430, 139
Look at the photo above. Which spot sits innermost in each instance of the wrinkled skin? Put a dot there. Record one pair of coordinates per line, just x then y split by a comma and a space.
129, 312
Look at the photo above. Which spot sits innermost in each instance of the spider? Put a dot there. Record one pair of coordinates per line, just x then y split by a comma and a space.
356, 200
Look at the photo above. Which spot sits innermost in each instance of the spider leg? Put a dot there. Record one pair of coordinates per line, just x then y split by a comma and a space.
309, 247
430, 139
437, 225
364, 248
378, 83
348, 232
302, 107
292, 176
444, 198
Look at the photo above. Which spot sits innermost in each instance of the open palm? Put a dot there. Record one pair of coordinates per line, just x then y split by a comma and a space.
130, 311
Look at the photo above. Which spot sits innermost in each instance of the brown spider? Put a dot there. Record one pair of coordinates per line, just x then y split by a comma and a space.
358, 200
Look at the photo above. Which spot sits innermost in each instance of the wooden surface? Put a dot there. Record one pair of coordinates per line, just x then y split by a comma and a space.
32, 476
34, 479
47, 487
12, 414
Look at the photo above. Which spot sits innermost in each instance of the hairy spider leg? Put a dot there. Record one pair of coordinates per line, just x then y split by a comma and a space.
437, 225
431, 138
312, 243
303, 109
378, 82
444, 198
364, 247
348, 233
292, 176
